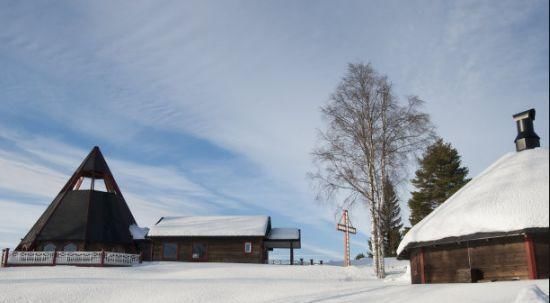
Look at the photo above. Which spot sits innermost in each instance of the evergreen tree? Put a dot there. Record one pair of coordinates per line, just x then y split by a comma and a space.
359, 256
390, 219
440, 175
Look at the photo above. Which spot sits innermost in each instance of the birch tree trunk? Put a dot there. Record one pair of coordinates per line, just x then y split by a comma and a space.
375, 244
383, 157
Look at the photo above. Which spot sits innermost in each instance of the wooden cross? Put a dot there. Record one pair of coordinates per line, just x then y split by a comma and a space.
345, 226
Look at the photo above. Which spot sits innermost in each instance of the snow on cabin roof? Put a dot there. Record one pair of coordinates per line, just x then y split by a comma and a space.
138, 233
210, 226
511, 195
284, 234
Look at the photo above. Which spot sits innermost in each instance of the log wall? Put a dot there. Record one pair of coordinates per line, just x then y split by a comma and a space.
497, 259
446, 264
500, 259
416, 267
222, 249
542, 255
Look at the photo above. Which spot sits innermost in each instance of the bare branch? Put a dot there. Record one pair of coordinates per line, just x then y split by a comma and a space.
370, 137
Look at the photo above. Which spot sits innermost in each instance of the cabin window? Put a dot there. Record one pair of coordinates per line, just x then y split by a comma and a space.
49, 247
247, 247
170, 251
70, 247
198, 252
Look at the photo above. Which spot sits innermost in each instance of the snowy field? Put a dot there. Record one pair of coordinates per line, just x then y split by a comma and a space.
217, 282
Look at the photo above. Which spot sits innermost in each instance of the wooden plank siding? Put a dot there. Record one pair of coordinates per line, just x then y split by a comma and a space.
496, 259
500, 259
219, 249
542, 254
416, 267
445, 264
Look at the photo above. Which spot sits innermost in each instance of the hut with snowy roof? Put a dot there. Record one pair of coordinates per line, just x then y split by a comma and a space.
235, 239
494, 228
88, 214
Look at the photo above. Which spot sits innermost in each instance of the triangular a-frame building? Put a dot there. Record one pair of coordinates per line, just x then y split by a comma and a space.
88, 214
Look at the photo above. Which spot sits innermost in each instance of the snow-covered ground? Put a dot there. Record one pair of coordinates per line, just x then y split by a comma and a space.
217, 282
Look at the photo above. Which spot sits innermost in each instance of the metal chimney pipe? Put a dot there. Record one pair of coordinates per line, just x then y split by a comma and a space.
526, 138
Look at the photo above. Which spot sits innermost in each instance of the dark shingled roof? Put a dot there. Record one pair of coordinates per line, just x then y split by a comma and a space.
85, 215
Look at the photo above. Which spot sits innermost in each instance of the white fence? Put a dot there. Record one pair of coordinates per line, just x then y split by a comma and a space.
300, 261
121, 259
30, 257
78, 257
83, 258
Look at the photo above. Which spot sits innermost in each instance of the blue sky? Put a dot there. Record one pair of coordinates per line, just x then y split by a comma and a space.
206, 107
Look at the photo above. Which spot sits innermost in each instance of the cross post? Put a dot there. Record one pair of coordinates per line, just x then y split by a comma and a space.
345, 226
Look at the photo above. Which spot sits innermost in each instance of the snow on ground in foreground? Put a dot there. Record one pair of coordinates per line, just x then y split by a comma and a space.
219, 282
531, 294
392, 264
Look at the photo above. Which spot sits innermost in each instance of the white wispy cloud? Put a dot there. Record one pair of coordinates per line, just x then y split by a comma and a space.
42, 165
17, 218
21, 175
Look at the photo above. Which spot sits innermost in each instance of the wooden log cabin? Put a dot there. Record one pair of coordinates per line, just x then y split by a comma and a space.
88, 214
495, 228
235, 239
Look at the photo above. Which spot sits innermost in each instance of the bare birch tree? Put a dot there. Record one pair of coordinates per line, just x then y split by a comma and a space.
369, 137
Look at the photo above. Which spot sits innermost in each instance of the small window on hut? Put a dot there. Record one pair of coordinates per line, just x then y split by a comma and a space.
169, 251
49, 247
198, 252
247, 247
70, 247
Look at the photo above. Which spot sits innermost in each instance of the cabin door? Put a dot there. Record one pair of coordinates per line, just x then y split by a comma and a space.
199, 252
